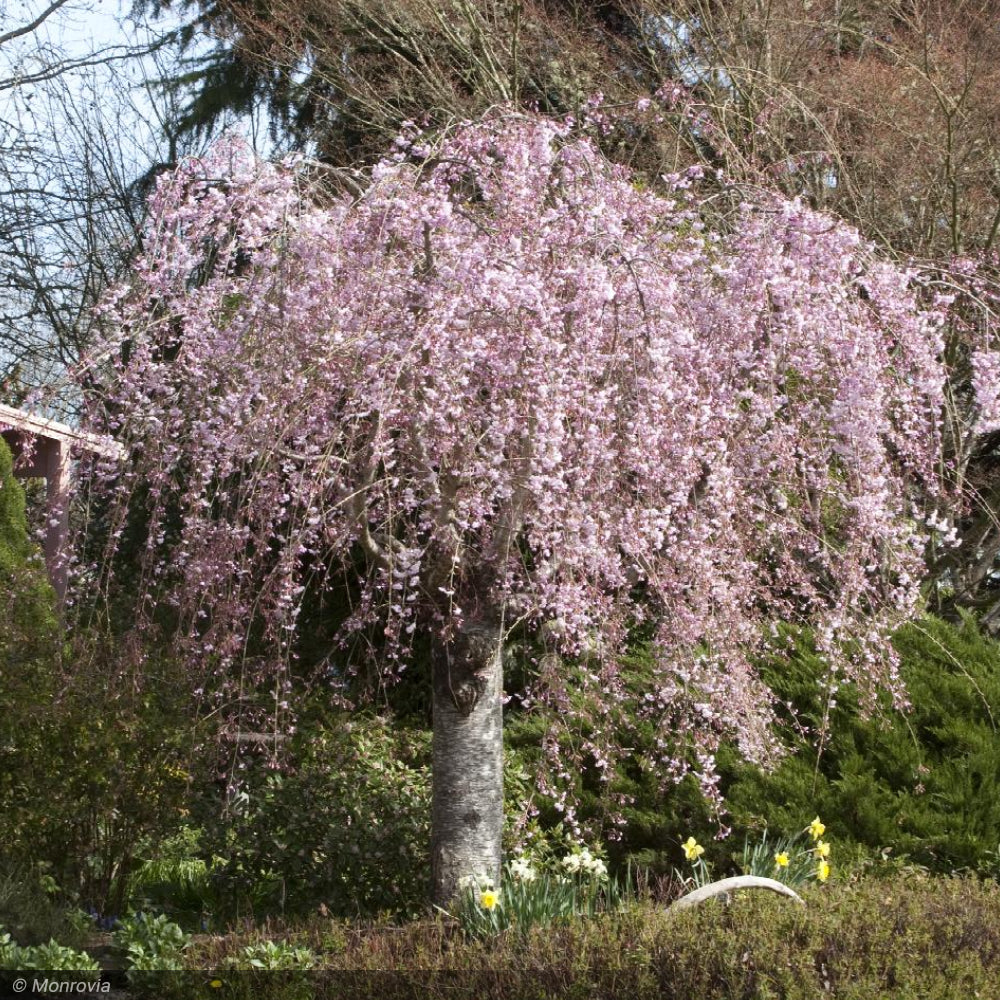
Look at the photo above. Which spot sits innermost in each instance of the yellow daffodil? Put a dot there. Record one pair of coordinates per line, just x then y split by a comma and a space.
816, 828
216, 984
781, 859
692, 849
822, 849
823, 870
489, 899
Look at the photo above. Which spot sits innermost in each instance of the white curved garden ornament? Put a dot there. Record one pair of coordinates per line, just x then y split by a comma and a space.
727, 885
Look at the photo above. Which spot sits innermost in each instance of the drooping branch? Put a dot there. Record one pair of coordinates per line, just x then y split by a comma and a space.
599, 442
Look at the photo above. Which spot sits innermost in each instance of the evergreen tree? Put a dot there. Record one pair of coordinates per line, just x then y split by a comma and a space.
28, 622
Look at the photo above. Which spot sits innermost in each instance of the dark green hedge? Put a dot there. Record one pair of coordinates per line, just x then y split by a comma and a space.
923, 783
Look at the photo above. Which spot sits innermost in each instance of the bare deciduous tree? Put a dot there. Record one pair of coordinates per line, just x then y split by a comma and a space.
82, 133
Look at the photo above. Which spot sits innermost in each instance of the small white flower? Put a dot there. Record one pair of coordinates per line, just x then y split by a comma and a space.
478, 882
522, 871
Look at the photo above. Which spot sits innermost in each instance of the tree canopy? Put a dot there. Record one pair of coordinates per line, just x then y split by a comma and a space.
882, 113
505, 382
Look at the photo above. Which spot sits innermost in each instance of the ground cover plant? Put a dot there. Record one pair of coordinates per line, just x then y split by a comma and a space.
901, 935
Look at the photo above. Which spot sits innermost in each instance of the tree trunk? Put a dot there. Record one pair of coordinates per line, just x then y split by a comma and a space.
467, 809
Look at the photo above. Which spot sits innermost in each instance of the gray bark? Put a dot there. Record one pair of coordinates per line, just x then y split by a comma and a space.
467, 804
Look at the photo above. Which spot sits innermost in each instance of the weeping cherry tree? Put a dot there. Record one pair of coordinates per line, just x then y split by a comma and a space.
502, 386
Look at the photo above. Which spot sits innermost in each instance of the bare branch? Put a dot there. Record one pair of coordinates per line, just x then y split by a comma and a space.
37, 23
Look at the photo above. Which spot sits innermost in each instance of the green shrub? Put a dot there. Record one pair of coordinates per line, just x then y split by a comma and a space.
346, 825
924, 784
99, 771
152, 943
54, 957
98, 750
29, 645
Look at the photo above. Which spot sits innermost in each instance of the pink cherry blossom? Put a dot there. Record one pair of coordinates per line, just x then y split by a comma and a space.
508, 375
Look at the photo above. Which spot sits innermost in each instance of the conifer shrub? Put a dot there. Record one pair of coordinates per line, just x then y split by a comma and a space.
921, 783
28, 621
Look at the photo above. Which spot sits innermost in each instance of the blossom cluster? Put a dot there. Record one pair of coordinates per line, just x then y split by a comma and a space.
584, 863
521, 870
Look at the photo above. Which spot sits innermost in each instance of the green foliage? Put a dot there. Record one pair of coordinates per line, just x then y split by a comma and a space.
760, 858
152, 943
923, 784
54, 957
345, 825
174, 878
48, 957
98, 769
274, 956
9, 951
97, 744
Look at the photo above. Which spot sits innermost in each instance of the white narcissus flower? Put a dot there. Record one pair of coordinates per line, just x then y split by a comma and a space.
477, 882
598, 868
522, 871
